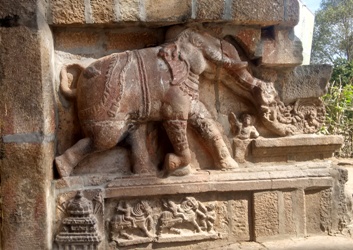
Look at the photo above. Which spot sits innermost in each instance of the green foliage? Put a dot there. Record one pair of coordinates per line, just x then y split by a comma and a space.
333, 32
339, 106
342, 71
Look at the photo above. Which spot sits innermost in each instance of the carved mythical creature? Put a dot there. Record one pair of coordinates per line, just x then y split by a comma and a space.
187, 212
128, 217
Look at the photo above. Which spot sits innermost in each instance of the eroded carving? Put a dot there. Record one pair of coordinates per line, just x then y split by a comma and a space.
133, 223
305, 116
79, 228
136, 222
200, 217
243, 129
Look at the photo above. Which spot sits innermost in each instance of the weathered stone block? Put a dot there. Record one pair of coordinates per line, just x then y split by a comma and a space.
208, 10
21, 100
313, 211
298, 199
281, 49
264, 13
132, 40
306, 82
291, 13
295, 148
129, 10
76, 40
240, 211
250, 40
103, 11
287, 223
68, 12
171, 11
25, 181
266, 215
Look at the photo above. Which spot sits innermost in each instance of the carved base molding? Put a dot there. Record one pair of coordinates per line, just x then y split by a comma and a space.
206, 208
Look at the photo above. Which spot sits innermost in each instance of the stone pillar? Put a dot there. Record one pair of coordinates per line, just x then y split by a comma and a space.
27, 124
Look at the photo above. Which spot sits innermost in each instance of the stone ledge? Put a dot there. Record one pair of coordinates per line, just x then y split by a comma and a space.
295, 148
263, 177
254, 185
167, 12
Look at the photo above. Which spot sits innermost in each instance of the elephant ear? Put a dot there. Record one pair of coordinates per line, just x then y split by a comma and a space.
178, 67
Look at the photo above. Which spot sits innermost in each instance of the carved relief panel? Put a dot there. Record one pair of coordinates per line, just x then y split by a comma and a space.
171, 86
87, 221
160, 220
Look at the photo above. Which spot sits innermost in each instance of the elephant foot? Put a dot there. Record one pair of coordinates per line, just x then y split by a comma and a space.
63, 166
176, 165
181, 171
227, 163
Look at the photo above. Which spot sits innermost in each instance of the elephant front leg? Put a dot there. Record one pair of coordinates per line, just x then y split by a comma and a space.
141, 159
177, 163
209, 132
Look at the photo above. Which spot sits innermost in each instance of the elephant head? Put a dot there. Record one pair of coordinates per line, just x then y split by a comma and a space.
200, 51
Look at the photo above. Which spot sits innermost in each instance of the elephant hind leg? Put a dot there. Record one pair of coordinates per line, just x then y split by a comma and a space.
177, 163
66, 162
103, 136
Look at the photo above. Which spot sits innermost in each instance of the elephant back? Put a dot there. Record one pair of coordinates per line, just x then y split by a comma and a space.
101, 86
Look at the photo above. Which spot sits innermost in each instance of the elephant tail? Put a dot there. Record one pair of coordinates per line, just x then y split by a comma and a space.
65, 89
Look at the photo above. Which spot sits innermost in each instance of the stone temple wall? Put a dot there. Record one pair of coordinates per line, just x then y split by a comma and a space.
210, 135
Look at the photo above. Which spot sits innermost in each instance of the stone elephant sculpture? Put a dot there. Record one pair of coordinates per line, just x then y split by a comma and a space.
124, 90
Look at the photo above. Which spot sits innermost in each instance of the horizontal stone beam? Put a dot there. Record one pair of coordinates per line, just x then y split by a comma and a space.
168, 12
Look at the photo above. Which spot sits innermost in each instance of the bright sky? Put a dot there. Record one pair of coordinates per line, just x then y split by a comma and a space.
312, 5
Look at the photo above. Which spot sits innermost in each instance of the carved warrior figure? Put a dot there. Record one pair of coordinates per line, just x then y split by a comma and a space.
189, 211
126, 90
129, 217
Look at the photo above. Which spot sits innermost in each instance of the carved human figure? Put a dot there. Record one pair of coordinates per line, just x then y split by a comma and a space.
126, 209
210, 217
243, 129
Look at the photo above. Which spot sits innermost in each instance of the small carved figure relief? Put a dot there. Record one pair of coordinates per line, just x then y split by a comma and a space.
132, 223
177, 218
98, 204
243, 129
79, 229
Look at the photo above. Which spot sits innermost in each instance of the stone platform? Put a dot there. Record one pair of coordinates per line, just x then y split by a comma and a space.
250, 203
